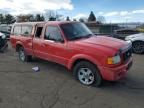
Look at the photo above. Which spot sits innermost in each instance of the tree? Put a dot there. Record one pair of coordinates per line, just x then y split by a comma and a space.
23, 18
39, 17
9, 19
81, 20
74, 19
92, 17
52, 19
59, 17
101, 19
1, 18
42, 18
51, 15
30, 17
67, 19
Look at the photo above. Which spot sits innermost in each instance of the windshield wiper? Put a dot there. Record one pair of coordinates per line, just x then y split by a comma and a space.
88, 35
74, 38
80, 37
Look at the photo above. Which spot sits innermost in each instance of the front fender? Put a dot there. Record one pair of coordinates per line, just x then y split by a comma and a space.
83, 57
137, 39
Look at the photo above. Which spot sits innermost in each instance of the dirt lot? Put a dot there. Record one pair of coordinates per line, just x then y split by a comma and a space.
55, 87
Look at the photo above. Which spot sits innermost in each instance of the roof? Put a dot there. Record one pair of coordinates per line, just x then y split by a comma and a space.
48, 22
30, 23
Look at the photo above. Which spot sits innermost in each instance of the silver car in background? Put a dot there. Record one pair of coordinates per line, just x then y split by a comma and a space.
137, 42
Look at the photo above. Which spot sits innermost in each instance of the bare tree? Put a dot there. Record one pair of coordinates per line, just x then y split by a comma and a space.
51, 15
74, 19
23, 18
101, 19
81, 20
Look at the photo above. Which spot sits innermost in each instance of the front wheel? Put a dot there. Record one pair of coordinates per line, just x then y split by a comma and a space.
22, 55
87, 73
138, 47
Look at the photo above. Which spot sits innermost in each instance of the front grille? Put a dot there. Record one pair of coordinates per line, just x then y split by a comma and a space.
127, 54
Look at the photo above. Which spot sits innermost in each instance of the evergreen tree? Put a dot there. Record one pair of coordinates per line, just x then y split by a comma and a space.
92, 17
39, 17
9, 19
1, 18
67, 19
52, 18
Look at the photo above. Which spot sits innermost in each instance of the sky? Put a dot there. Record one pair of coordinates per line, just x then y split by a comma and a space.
114, 11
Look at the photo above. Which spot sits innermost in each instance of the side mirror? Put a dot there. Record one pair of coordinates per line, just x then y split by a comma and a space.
59, 41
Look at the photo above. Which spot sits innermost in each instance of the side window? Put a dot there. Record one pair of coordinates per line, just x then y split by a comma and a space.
26, 30
53, 33
38, 32
17, 30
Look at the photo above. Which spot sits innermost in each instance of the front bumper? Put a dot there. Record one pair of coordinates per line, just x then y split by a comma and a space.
116, 73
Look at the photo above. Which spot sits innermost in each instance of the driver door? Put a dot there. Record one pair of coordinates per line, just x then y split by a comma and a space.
54, 45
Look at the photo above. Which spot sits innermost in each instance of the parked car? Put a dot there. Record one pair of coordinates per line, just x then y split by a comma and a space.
122, 33
91, 58
137, 42
5, 29
3, 42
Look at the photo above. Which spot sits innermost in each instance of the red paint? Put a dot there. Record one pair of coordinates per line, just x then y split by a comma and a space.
94, 49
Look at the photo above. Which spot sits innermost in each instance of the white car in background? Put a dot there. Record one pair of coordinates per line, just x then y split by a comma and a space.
137, 42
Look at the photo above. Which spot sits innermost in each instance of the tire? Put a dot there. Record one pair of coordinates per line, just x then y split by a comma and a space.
23, 56
4, 49
138, 47
87, 74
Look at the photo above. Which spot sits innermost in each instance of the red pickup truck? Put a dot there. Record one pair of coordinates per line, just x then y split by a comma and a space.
91, 58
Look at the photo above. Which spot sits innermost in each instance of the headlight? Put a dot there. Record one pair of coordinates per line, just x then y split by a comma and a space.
129, 38
114, 60
3, 36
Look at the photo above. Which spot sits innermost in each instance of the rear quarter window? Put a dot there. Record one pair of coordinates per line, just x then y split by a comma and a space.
26, 30
17, 30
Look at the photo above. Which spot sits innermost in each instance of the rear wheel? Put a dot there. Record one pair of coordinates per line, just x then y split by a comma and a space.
138, 47
23, 56
87, 73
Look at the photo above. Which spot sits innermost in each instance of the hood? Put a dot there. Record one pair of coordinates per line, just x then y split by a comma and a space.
2, 35
103, 41
136, 35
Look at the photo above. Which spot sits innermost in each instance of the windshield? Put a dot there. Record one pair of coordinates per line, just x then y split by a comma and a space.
77, 30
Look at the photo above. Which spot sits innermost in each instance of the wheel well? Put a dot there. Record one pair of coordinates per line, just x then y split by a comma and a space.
18, 46
137, 41
79, 60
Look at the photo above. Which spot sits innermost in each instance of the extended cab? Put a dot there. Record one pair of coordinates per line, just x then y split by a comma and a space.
91, 58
